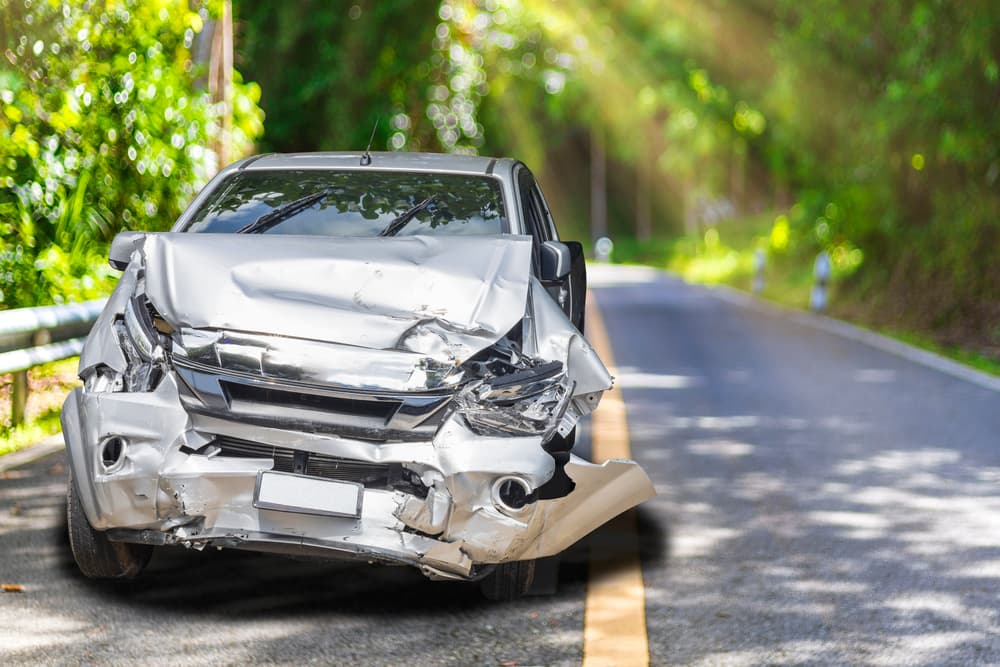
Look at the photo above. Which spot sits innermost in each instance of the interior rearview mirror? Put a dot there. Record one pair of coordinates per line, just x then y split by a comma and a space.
555, 260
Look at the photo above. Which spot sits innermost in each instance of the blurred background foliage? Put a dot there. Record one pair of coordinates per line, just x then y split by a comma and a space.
863, 128
866, 129
104, 126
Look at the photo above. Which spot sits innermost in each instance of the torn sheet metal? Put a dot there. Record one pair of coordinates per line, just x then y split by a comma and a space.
604, 490
281, 358
433, 374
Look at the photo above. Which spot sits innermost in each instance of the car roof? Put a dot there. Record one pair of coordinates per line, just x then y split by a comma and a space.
431, 162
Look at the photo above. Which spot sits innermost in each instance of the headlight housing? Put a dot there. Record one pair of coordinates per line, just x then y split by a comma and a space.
530, 401
142, 345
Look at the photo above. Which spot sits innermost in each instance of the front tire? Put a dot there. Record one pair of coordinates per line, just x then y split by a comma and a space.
96, 555
508, 581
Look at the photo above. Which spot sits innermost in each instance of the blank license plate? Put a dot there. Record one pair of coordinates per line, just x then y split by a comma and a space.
307, 495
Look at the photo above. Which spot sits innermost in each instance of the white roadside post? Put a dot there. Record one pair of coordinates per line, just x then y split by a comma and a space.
603, 248
821, 273
759, 264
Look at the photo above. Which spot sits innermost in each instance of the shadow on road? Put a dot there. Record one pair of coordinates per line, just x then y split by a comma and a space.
246, 584
231, 606
827, 503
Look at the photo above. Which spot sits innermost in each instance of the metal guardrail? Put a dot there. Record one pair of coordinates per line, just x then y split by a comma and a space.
33, 336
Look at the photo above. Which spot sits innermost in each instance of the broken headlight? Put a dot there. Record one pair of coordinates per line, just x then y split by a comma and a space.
529, 401
142, 345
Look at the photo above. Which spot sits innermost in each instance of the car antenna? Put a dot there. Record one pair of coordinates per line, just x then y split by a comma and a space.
366, 159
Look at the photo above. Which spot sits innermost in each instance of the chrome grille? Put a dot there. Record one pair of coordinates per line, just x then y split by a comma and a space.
378, 410
378, 416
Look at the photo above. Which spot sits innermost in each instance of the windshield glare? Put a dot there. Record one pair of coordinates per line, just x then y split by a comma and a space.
360, 203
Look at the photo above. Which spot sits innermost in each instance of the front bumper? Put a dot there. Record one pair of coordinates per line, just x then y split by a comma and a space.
169, 486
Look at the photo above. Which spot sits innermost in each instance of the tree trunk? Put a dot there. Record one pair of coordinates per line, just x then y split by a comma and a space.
643, 204
598, 185
220, 82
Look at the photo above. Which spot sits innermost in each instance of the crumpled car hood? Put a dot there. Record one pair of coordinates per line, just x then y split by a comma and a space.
366, 292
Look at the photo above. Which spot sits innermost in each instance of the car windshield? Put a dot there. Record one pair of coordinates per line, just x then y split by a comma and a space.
355, 203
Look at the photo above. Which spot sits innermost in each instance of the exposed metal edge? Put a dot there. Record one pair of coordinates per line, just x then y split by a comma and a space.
853, 332
31, 453
345, 391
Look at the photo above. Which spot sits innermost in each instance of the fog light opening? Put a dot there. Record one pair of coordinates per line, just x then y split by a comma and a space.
511, 494
113, 453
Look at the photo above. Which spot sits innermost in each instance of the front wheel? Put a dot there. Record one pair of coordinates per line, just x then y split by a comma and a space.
508, 581
96, 555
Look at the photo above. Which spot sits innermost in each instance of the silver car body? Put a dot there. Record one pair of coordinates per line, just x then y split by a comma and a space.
338, 359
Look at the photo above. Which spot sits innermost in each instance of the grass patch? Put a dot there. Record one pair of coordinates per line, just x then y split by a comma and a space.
48, 385
973, 359
29, 433
725, 254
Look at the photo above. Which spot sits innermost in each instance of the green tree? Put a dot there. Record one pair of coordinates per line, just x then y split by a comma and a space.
869, 129
103, 127
328, 71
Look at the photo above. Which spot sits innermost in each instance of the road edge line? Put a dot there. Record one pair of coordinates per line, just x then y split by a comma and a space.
31, 453
614, 617
856, 333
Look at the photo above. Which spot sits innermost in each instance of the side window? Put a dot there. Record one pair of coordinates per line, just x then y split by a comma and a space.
529, 207
544, 232
534, 209
551, 234
532, 212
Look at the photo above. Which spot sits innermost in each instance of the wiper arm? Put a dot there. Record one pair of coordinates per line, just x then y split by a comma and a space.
404, 218
283, 212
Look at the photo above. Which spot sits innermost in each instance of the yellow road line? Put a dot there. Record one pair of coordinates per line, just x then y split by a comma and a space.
614, 625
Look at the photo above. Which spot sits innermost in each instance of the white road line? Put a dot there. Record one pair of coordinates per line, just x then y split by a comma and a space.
609, 275
856, 333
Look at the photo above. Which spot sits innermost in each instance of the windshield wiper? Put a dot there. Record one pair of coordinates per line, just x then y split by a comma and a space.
283, 212
404, 218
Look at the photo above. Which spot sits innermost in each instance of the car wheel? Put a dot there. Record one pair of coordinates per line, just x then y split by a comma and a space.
508, 581
96, 555
546, 576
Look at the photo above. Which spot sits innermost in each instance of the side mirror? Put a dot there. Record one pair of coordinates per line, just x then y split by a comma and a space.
556, 261
122, 247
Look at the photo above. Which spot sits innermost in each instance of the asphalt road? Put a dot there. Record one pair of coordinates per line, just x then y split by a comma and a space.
820, 501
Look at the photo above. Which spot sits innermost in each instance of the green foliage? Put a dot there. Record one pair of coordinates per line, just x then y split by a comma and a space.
868, 128
894, 124
872, 127
103, 127
329, 70
49, 384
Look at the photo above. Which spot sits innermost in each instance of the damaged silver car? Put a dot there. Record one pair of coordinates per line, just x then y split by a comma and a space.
331, 356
